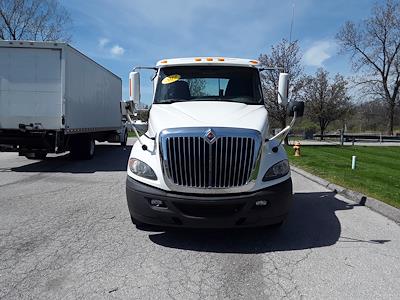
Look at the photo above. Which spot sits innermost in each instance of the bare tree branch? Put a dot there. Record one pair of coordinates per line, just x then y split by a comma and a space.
287, 56
326, 101
44, 20
374, 45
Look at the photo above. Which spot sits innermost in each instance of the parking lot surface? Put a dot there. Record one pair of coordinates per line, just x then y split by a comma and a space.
65, 233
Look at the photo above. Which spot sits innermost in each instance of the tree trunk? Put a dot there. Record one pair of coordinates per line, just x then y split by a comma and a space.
391, 117
321, 129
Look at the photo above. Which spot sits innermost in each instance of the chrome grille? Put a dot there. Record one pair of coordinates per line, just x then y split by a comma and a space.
190, 160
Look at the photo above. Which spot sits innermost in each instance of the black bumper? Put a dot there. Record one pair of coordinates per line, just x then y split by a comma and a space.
209, 211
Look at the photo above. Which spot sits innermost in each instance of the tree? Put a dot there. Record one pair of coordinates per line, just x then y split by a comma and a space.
196, 86
374, 45
38, 20
325, 101
287, 56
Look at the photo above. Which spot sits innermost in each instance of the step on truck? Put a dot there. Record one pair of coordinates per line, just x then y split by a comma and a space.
54, 99
207, 158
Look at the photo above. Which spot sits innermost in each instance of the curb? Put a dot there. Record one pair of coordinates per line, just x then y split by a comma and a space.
361, 199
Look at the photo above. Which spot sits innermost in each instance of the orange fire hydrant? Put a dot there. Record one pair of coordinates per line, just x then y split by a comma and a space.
296, 148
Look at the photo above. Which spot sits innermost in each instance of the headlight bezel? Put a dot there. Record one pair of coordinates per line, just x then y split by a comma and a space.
141, 169
278, 170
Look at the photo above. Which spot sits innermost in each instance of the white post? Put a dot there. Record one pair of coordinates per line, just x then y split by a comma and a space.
353, 162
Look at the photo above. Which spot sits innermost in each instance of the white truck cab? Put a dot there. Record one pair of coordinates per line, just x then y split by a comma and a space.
207, 159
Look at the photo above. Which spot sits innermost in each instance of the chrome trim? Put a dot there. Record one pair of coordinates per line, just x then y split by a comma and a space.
221, 183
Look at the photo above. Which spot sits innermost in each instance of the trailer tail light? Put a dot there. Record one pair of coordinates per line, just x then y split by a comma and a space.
209, 59
164, 61
197, 59
221, 59
254, 62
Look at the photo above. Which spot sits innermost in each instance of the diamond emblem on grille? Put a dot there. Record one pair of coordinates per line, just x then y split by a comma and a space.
210, 136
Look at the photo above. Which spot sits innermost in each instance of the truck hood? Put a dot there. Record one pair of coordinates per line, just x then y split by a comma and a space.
207, 114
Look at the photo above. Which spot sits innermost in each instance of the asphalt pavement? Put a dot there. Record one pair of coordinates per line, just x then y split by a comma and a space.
65, 233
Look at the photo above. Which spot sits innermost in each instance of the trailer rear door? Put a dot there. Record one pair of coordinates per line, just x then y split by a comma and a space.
30, 87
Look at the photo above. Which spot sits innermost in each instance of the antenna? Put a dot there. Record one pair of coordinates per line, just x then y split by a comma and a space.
291, 24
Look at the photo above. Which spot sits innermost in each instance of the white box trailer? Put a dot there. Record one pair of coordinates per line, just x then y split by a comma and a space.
53, 99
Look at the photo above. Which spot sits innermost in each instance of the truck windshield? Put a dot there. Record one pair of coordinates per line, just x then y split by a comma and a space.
208, 83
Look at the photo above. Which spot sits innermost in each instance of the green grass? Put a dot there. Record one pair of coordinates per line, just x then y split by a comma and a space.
377, 173
131, 134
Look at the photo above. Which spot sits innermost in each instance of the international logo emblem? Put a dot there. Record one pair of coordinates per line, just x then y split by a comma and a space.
210, 136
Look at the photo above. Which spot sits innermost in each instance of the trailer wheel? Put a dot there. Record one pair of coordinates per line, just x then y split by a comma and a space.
124, 142
82, 147
40, 155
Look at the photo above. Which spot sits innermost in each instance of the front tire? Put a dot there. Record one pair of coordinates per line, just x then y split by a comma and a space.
83, 147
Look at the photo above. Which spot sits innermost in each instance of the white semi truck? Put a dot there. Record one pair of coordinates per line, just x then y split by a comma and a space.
53, 99
207, 159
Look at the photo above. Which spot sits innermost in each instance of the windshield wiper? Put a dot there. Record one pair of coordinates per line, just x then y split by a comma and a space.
209, 99
169, 101
229, 99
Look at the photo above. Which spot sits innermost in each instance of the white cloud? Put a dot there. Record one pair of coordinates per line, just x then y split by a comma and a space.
117, 50
103, 42
319, 52
105, 47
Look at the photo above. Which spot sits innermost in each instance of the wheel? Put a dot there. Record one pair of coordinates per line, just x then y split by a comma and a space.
36, 155
123, 143
91, 146
83, 147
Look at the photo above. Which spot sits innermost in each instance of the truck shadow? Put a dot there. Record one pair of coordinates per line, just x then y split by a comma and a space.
107, 158
312, 223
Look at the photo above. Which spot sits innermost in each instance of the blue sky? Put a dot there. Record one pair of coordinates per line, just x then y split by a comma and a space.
121, 34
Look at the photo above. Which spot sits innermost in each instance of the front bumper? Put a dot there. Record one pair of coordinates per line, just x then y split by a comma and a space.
208, 211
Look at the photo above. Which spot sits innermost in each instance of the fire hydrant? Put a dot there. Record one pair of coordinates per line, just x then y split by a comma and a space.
296, 148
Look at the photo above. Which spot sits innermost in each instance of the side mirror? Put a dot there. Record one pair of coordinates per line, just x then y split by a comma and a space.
283, 88
296, 106
134, 87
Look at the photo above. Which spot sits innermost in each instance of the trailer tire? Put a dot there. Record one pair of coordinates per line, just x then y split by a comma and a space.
82, 147
39, 155
124, 142
90, 149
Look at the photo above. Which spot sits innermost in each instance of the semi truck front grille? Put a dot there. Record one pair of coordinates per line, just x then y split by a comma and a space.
197, 160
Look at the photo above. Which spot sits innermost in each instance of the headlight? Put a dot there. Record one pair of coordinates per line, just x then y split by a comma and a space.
280, 169
141, 169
